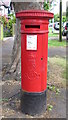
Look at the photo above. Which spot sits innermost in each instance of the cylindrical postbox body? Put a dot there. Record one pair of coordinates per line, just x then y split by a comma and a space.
34, 52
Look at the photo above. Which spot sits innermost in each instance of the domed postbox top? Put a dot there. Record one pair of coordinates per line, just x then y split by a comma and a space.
34, 14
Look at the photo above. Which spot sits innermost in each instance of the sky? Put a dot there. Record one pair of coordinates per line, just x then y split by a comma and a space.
56, 8
64, 5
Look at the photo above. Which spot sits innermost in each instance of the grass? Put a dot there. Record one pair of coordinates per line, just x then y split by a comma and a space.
65, 72
56, 41
52, 43
61, 62
57, 72
52, 34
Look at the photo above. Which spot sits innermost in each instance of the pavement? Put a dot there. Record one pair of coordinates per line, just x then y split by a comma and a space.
11, 108
7, 46
57, 51
57, 38
9, 86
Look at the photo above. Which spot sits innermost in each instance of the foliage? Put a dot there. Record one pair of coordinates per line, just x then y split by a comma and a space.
6, 100
67, 13
53, 88
50, 107
7, 24
63, 19
46, 5
57, 18
57, 91
13, 18
4, 20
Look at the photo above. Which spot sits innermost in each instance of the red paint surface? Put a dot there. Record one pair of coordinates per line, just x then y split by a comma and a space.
34, 62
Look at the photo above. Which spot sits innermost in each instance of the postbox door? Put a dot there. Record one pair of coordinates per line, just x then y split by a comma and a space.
33, 71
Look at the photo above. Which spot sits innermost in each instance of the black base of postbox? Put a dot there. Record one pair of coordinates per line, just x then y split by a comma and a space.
33, 103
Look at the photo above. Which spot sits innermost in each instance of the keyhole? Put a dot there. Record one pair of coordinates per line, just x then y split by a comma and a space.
41, 58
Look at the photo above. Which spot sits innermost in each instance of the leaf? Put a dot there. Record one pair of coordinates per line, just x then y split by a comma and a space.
50, 107
53, 88
57, 90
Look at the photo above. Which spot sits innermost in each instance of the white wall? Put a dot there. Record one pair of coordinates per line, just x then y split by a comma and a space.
4, 11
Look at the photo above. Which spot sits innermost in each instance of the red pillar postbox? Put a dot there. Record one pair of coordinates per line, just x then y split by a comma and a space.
34, 52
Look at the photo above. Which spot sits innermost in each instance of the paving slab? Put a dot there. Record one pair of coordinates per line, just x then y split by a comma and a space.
12, 109
10, 88
57, 51
7, 47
